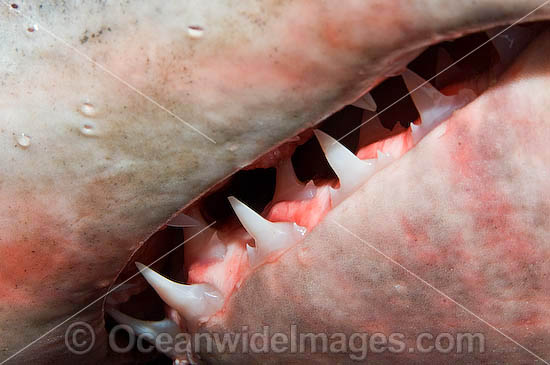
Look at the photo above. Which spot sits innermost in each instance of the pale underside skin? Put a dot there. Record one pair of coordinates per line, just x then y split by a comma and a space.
75, 207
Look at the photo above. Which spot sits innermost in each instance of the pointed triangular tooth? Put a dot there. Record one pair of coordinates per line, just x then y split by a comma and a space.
183, 221
195, 217
197, 235
150, 330
366, 102
141, 327
433, 106
350, 169
509, 41
201, 244
414, 130
201, 250
288, 187
269, 236
194, 302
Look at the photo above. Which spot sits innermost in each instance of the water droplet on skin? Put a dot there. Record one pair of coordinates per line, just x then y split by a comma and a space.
87, 109
195, 31
88, 129
23, 140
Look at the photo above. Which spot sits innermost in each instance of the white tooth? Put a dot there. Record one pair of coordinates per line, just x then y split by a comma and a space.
194, 302
351, 170
269, 236
197, 233
183, 220
366, 102
509, 43
415, 130
201, 244
433, 106
211, 248
288, 187
140, 327
383, 159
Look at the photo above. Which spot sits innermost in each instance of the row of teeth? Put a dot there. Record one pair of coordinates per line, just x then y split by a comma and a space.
196, 303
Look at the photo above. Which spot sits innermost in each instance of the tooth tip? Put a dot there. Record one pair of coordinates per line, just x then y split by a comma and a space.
251, 221
324, 139
319, 132
238, 206
182, 220
191, 301
411, 79
153, 278
351, 171
268, 236
233, 201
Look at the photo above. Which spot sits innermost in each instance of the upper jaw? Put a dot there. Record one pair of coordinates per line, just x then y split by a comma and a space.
95, 198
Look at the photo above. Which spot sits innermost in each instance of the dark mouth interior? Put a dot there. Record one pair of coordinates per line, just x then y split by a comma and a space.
255, 186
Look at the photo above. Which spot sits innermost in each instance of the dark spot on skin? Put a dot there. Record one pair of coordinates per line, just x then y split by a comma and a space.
14, 6
30, 29
84, 39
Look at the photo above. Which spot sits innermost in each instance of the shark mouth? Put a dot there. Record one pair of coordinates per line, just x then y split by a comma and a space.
252, 219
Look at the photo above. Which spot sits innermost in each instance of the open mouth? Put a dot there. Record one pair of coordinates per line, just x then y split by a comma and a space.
254, 217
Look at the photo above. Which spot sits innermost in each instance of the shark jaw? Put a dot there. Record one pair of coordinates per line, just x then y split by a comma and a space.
311, 175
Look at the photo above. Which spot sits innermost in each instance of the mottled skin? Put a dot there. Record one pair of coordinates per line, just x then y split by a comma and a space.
74, 208
466, 211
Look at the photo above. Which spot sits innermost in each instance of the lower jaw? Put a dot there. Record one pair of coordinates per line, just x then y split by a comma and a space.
449, 217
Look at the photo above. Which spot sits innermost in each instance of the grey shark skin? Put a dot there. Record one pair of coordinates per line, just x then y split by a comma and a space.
115, 115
